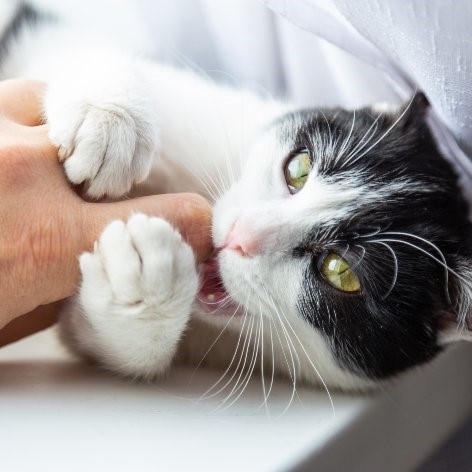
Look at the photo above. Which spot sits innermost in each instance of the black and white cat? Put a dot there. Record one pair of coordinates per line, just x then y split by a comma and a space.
343, 246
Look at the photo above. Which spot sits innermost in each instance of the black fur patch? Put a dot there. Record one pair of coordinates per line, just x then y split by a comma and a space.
387, 327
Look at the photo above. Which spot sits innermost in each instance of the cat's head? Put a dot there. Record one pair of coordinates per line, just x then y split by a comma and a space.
348, 231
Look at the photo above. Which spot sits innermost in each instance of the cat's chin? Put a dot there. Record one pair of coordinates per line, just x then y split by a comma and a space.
212, 296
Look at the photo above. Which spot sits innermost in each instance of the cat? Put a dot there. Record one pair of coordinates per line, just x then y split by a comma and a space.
342, 242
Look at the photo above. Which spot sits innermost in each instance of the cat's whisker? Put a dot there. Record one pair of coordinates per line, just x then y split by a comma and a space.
363, 142
220, 303
440, 262
205, 395
243, 355
345, 144
354, 266
186, 61
436, 248
294, 384
388, 130
294, 350
315, 369
213, 344
264, 402
281, 344
239, 381
266, 397
250, 371
293, 373
395, 261
214, 191
223, 184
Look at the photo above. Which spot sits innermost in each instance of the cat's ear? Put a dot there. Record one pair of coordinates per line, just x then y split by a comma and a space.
415, 110
457, 323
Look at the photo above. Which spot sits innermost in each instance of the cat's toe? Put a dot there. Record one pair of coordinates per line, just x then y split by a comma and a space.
107, 134
140, 265
103, 154
167, 262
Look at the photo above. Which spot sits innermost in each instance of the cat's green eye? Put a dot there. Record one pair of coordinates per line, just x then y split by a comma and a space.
339, 274
297, 169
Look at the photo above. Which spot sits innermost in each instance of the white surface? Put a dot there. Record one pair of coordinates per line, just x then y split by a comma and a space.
57, 414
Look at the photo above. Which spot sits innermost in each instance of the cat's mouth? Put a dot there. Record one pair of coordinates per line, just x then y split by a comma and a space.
212, 295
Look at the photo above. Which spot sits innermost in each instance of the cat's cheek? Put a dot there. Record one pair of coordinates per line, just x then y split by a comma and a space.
235, 273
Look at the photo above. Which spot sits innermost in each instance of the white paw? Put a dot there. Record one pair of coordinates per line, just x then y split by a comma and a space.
106, 130
140, 268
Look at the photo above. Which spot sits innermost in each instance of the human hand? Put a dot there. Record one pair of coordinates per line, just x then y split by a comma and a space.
45, 225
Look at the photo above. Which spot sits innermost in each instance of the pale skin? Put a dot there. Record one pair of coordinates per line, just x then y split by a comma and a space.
45, 224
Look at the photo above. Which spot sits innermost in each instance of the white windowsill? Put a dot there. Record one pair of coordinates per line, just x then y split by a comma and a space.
59, 415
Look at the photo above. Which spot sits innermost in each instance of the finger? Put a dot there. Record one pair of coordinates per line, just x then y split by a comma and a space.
18, 140
41, 318
21, 101
189, 213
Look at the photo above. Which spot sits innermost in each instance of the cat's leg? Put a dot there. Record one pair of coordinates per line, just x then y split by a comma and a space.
138, 286
110, 114
100, 116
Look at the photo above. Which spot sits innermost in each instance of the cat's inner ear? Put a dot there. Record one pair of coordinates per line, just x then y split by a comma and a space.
457, 323
415, 110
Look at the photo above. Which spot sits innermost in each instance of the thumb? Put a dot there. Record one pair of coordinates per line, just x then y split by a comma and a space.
189, 213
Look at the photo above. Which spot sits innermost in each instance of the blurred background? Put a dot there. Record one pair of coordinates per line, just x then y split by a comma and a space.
243, 42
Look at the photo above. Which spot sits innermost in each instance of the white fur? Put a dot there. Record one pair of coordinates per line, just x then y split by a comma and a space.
118, 119
106, 130
138, 286
114, 117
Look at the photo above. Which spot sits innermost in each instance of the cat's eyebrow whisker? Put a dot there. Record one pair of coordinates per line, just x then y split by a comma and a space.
388, 130
354, 267
369, 235
346, 141
395, 261
363, 142
343, 255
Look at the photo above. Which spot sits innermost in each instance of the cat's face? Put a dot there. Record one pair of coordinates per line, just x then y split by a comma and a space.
340, 228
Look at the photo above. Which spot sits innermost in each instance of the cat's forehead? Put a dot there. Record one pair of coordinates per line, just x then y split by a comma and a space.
368, 171
335, 137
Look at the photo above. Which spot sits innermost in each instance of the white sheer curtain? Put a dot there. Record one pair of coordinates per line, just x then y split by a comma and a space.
314, 52
246, 42
420, 44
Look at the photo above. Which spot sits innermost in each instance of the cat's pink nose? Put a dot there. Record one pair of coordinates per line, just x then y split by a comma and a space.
239, 240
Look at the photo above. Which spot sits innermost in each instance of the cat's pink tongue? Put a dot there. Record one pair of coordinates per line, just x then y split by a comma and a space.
212, 293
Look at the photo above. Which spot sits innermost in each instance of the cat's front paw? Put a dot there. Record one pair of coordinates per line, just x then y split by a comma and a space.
138, 287
142, 267
106, 130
